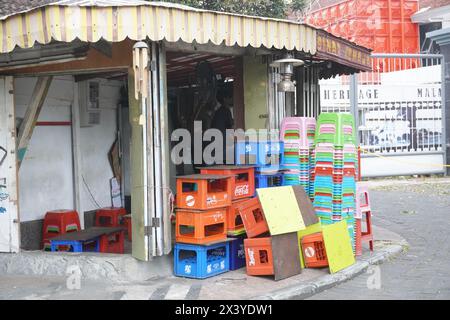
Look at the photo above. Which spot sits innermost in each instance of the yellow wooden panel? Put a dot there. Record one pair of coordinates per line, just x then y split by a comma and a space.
338, 246
314, 228
281, 210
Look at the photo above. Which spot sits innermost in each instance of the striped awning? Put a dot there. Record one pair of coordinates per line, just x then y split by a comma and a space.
115, 20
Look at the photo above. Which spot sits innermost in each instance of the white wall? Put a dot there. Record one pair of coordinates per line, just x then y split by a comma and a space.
46, 174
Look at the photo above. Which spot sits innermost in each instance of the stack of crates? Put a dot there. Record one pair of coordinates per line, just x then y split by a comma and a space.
335, 161
297, 134
266, 156
202, 249
242, 189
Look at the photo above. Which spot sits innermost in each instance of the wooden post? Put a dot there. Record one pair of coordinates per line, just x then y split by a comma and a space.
31, 115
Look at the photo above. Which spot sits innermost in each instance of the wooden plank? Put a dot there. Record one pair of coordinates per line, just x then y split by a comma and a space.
9, 202
286, 259
32, 114
88, 234
280, 210
305, 205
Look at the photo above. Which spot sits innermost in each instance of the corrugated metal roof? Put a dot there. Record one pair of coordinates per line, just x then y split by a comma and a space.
115, 20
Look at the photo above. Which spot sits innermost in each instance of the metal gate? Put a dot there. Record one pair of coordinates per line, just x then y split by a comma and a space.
400, 111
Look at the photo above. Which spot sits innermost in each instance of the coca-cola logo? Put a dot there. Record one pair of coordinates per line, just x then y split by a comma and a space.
241, 190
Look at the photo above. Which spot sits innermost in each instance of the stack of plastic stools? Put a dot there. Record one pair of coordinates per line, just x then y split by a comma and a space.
297, 133
334, 173
202, 249
363, 216
110, 217
59, 222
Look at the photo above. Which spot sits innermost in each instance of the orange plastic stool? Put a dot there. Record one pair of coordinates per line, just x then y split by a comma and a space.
109, 217
313, 250
59, 222
253, 218
234, 220
258, 256
203, 192
242, 181
201, 227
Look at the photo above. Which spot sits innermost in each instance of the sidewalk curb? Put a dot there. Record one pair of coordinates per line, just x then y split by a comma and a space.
306, 290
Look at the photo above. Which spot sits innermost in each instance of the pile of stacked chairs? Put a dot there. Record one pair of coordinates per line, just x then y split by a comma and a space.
297, 134
335, 167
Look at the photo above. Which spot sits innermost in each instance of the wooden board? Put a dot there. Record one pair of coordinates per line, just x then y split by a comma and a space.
281, 210
88, 234
314, 228
338, 246
285, 256
306, 207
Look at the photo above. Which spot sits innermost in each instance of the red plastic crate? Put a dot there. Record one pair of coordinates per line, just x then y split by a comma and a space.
313, 250
242, 181
109, 217
258, 256
201, 227
203, 192
252, 216
113, 243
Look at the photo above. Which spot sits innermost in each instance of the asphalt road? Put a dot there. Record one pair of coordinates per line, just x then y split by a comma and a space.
421, 214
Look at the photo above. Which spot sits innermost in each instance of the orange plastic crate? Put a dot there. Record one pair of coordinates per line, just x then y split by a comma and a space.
203, 192
313, 249
253, 218
201, 227
234, 220
258, 256
242, 181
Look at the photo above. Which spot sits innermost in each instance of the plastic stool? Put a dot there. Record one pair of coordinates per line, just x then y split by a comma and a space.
59, 222
109, 217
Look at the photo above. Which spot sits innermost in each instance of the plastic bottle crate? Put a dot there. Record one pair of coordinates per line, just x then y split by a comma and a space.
242, 181
201, 227
237, 253
313, 250
267, 181
246, 152
109, 217
258, 256
200, 262
253, 218
202, 192
234, 220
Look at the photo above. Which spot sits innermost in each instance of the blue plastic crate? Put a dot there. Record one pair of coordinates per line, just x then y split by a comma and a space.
268, 181
237, 253
200, 262
246, 153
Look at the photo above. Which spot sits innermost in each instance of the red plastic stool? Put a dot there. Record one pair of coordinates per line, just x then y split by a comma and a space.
109, 217
59, 222
363, 210
113, 243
